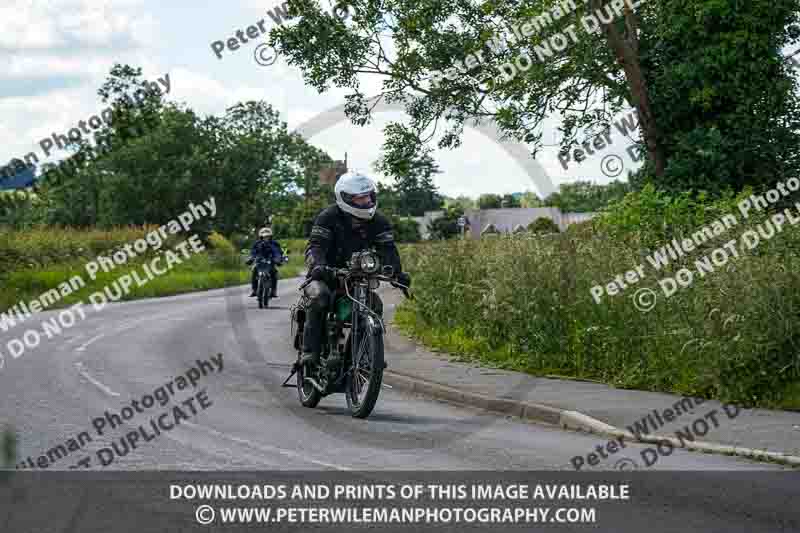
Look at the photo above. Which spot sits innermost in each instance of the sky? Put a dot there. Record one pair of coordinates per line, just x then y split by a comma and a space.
59, 52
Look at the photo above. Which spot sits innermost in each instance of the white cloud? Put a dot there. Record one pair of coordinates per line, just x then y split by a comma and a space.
207, 95
41, 25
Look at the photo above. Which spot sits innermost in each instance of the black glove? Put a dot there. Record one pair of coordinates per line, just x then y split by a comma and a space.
403, 279
319, 273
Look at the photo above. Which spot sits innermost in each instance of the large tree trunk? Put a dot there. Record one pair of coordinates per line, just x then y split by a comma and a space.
626, 50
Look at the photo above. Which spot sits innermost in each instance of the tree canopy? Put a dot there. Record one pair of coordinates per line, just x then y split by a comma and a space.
717, 103
160, 156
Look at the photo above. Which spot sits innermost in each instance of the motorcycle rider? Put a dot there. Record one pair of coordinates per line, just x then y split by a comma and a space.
350, 225
265, 247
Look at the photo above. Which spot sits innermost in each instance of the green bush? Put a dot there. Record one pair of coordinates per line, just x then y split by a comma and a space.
21, 210
446, 227
46, 245
224, 252
543, 225
8, 448
35, 261
651, 217
406, 230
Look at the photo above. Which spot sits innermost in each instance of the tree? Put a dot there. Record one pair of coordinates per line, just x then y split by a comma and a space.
412, 166
586, 196
446, 227
543, 225
726, 100
406, 230
531, 199
246, 159
510, 200
699, 74
490, 201
464, 202
20, 209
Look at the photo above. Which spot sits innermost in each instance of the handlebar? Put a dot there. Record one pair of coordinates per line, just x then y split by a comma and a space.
342, 272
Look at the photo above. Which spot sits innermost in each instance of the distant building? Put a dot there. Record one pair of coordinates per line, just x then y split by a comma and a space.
16, 176
506, 220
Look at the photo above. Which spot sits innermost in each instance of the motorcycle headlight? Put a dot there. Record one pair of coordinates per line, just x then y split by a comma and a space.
368, 263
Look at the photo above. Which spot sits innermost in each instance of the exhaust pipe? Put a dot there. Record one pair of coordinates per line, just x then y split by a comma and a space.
315, 384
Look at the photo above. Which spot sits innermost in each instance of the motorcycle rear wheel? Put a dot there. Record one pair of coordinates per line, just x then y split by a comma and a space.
364, 382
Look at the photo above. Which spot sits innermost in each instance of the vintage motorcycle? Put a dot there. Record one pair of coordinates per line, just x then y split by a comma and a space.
264, 278
352, 358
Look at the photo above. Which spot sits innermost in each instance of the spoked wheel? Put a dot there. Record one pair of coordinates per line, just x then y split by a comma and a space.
364, 381
309, 395
263, 293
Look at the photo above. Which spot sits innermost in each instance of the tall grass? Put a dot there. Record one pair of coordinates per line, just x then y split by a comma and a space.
37, 261
524, 302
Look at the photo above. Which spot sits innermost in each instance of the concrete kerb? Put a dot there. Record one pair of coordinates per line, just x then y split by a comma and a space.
567, 419
525, 410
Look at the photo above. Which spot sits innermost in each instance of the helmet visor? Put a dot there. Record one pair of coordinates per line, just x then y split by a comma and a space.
360, 201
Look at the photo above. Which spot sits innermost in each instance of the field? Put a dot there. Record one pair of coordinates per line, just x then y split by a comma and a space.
33, 262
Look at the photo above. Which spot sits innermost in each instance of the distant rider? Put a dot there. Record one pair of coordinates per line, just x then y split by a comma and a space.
349, 226
265, 247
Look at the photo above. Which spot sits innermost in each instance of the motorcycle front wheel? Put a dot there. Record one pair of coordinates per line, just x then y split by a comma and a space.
308, 393
263, 292
364, 381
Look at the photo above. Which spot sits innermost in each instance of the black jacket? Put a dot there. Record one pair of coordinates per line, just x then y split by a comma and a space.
334, 238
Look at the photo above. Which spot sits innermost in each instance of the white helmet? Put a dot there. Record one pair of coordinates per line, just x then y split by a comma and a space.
355, 184
265, 232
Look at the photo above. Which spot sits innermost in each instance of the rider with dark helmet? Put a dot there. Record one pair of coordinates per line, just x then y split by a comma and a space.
351, 225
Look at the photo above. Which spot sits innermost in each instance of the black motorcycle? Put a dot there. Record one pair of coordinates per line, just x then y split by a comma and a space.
263, 268
352, 358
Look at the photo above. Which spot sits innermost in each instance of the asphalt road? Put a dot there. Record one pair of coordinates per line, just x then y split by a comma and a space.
124, 352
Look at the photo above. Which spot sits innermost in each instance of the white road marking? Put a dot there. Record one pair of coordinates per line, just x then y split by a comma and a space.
268, 449
82, 347
75, 338
96, 383
129, 324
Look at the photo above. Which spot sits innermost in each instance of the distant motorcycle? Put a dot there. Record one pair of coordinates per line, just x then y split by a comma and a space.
263, 268
352, 357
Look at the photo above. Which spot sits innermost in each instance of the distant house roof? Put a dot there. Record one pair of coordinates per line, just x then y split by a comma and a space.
21, 179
